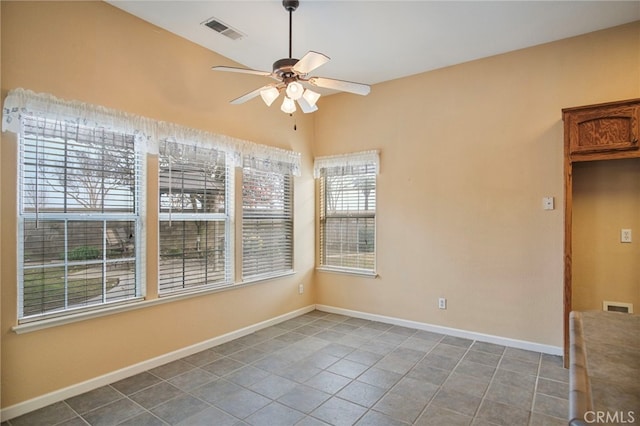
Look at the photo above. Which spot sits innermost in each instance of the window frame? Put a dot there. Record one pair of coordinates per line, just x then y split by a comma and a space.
138, 169
285, 216
345, 165
226, 218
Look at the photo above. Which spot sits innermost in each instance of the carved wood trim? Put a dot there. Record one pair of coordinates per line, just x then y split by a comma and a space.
598, 132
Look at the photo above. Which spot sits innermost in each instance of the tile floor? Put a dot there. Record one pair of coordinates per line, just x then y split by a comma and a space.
328, 369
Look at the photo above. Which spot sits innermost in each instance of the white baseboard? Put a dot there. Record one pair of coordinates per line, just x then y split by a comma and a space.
96, 382
505, 341
33, 404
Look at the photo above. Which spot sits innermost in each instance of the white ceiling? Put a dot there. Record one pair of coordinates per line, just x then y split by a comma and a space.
375, 41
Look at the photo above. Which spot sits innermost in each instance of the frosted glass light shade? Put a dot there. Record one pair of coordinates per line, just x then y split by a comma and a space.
269, 95
305, 107
288, 105
294, 90
311, 97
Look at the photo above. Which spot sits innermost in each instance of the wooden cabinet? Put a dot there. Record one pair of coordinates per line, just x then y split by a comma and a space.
609, 129
595, 132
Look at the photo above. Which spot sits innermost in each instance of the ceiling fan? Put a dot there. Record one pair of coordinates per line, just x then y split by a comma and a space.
293, 75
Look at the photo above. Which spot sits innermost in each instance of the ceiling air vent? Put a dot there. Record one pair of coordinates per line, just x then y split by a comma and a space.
222, 28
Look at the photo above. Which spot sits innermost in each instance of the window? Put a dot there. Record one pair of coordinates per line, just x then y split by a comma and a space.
194, 186
348, 211
267, 223
79, 217
82, 217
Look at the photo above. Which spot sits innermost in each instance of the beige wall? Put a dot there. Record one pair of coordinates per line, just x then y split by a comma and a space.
0, 232
467, 153
93, 52
606, 199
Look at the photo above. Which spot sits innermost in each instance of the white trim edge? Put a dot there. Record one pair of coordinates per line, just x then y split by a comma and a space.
347, 271
505, 341
42, 324
30, 405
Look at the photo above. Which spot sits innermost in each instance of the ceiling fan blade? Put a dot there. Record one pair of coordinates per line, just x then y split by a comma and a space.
344, 86
306, 107
309, 62
247, 97
241, 70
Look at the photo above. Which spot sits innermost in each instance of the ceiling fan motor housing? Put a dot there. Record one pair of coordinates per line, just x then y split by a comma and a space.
283, 67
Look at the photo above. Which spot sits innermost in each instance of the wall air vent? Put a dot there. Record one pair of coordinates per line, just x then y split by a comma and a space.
224, 29
627, 308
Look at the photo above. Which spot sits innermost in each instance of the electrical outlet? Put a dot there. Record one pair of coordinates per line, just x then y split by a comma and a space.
301, 288
442, 303
625, 235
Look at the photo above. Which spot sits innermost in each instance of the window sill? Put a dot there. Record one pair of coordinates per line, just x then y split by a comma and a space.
346, 271
36, 325
260, 278
169, 297
62, 319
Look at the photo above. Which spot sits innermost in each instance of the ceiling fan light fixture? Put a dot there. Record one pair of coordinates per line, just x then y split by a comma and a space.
295, 90
269, 95
288, 105
305, 106
311, 97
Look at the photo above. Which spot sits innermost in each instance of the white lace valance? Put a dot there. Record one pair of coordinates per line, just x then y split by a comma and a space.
22, 101
200, 139
364, 158
241, 152
271, 159
192, 154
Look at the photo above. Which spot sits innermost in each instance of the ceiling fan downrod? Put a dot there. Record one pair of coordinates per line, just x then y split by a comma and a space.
290, 6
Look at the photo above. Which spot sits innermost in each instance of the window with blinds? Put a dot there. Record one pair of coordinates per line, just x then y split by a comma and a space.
267, 223
79, 217
348, 217
194, 185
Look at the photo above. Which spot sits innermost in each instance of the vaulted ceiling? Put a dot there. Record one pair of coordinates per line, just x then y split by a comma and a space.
376, 41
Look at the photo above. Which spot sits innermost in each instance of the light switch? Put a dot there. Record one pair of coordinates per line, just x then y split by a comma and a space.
547, 203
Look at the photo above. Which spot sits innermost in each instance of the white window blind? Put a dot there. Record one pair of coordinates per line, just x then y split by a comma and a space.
267, 223
348, 214
194, 184
79, 217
